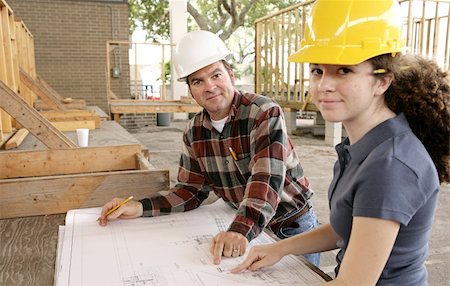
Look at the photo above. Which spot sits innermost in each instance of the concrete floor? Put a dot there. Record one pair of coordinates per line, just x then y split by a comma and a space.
164, 144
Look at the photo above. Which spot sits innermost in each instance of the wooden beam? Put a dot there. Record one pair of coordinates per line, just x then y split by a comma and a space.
72, 115
40, 91
58, 194
145, 106
143, 162
74, 104
73, 125
70, 161
32, 120
16, 139
49, 88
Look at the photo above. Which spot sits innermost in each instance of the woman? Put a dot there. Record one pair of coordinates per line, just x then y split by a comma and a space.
395, 110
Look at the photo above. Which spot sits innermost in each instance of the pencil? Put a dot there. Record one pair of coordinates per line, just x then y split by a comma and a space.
118, 206
233, 154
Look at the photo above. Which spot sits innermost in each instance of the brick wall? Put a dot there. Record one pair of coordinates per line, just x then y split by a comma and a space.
70, 45
134, 122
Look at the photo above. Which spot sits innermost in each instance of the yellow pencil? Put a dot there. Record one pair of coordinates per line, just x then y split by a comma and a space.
118, 206
233, 154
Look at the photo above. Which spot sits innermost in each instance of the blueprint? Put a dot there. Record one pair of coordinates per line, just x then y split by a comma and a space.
167, 250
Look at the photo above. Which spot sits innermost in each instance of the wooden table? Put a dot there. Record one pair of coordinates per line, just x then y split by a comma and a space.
28, 249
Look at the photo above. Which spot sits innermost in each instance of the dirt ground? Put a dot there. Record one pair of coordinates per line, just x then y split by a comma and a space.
164, 144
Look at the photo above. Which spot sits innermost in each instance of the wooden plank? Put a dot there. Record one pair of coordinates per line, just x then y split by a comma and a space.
154, 108
58, 194
5, 121
6, 61
34, 86
73, 125
29, 118
7, 25
71, 161
75, 104
143, 162
73, 115
16, 139
49, 88
68, 114
1, 132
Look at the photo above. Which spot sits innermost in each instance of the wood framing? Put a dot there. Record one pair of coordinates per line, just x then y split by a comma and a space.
55, 181
78, 104
121, 106
40, 91
58, 194
32, 120
71, 120
8, 61
64, 162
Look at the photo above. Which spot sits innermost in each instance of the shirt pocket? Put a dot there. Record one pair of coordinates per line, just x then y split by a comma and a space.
242, 170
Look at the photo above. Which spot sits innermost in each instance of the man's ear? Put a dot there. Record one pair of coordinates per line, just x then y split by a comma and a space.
232, 76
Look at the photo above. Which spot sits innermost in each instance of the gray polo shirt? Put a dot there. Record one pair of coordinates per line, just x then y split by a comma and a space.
387, 174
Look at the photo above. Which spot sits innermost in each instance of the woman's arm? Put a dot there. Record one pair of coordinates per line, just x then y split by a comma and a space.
368, 250
319, 239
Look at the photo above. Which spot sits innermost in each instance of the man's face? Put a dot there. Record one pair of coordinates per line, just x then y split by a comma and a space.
212, 87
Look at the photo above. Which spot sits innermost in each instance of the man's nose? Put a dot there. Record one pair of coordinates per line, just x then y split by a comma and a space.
210, 84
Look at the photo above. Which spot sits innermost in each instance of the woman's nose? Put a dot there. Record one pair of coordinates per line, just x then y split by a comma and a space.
326, 83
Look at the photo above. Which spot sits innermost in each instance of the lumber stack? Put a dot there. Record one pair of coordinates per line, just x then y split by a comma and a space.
62, 176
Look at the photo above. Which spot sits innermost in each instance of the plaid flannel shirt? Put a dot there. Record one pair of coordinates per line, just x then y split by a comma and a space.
264, 183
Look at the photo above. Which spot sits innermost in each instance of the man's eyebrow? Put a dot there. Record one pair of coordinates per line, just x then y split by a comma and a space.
210, 74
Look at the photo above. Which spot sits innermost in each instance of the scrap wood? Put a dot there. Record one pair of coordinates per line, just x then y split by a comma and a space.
16, 139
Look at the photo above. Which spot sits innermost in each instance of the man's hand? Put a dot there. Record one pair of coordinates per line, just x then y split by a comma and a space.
228, 244
132, 209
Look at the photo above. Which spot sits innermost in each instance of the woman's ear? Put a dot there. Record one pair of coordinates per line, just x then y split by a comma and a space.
385, 82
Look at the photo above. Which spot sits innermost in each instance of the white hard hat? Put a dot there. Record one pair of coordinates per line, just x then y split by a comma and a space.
197, 50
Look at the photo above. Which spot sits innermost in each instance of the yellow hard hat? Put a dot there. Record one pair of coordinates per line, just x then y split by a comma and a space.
348, 32
196, 50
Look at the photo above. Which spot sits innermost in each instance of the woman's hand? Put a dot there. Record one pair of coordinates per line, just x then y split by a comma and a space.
260, 256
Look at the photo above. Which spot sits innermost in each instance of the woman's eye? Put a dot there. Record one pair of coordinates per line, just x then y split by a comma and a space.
344, 70
316, 71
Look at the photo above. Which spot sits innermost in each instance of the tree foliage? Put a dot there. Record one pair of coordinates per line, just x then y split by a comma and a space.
222, 17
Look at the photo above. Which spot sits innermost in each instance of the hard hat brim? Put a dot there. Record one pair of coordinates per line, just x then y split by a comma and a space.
335, 55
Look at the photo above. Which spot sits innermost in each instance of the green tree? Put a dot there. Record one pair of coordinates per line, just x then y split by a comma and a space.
222, 17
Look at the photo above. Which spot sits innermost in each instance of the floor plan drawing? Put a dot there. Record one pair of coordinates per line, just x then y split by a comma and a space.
167, 250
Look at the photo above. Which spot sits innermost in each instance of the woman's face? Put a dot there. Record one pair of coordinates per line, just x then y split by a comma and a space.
347, 94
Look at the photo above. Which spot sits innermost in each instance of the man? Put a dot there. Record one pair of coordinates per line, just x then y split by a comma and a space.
237, 147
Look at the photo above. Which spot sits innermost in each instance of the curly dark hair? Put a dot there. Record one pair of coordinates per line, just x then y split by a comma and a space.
421, 90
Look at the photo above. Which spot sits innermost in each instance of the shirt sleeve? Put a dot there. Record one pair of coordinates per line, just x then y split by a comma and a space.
187, 194
382, 194
269, 151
